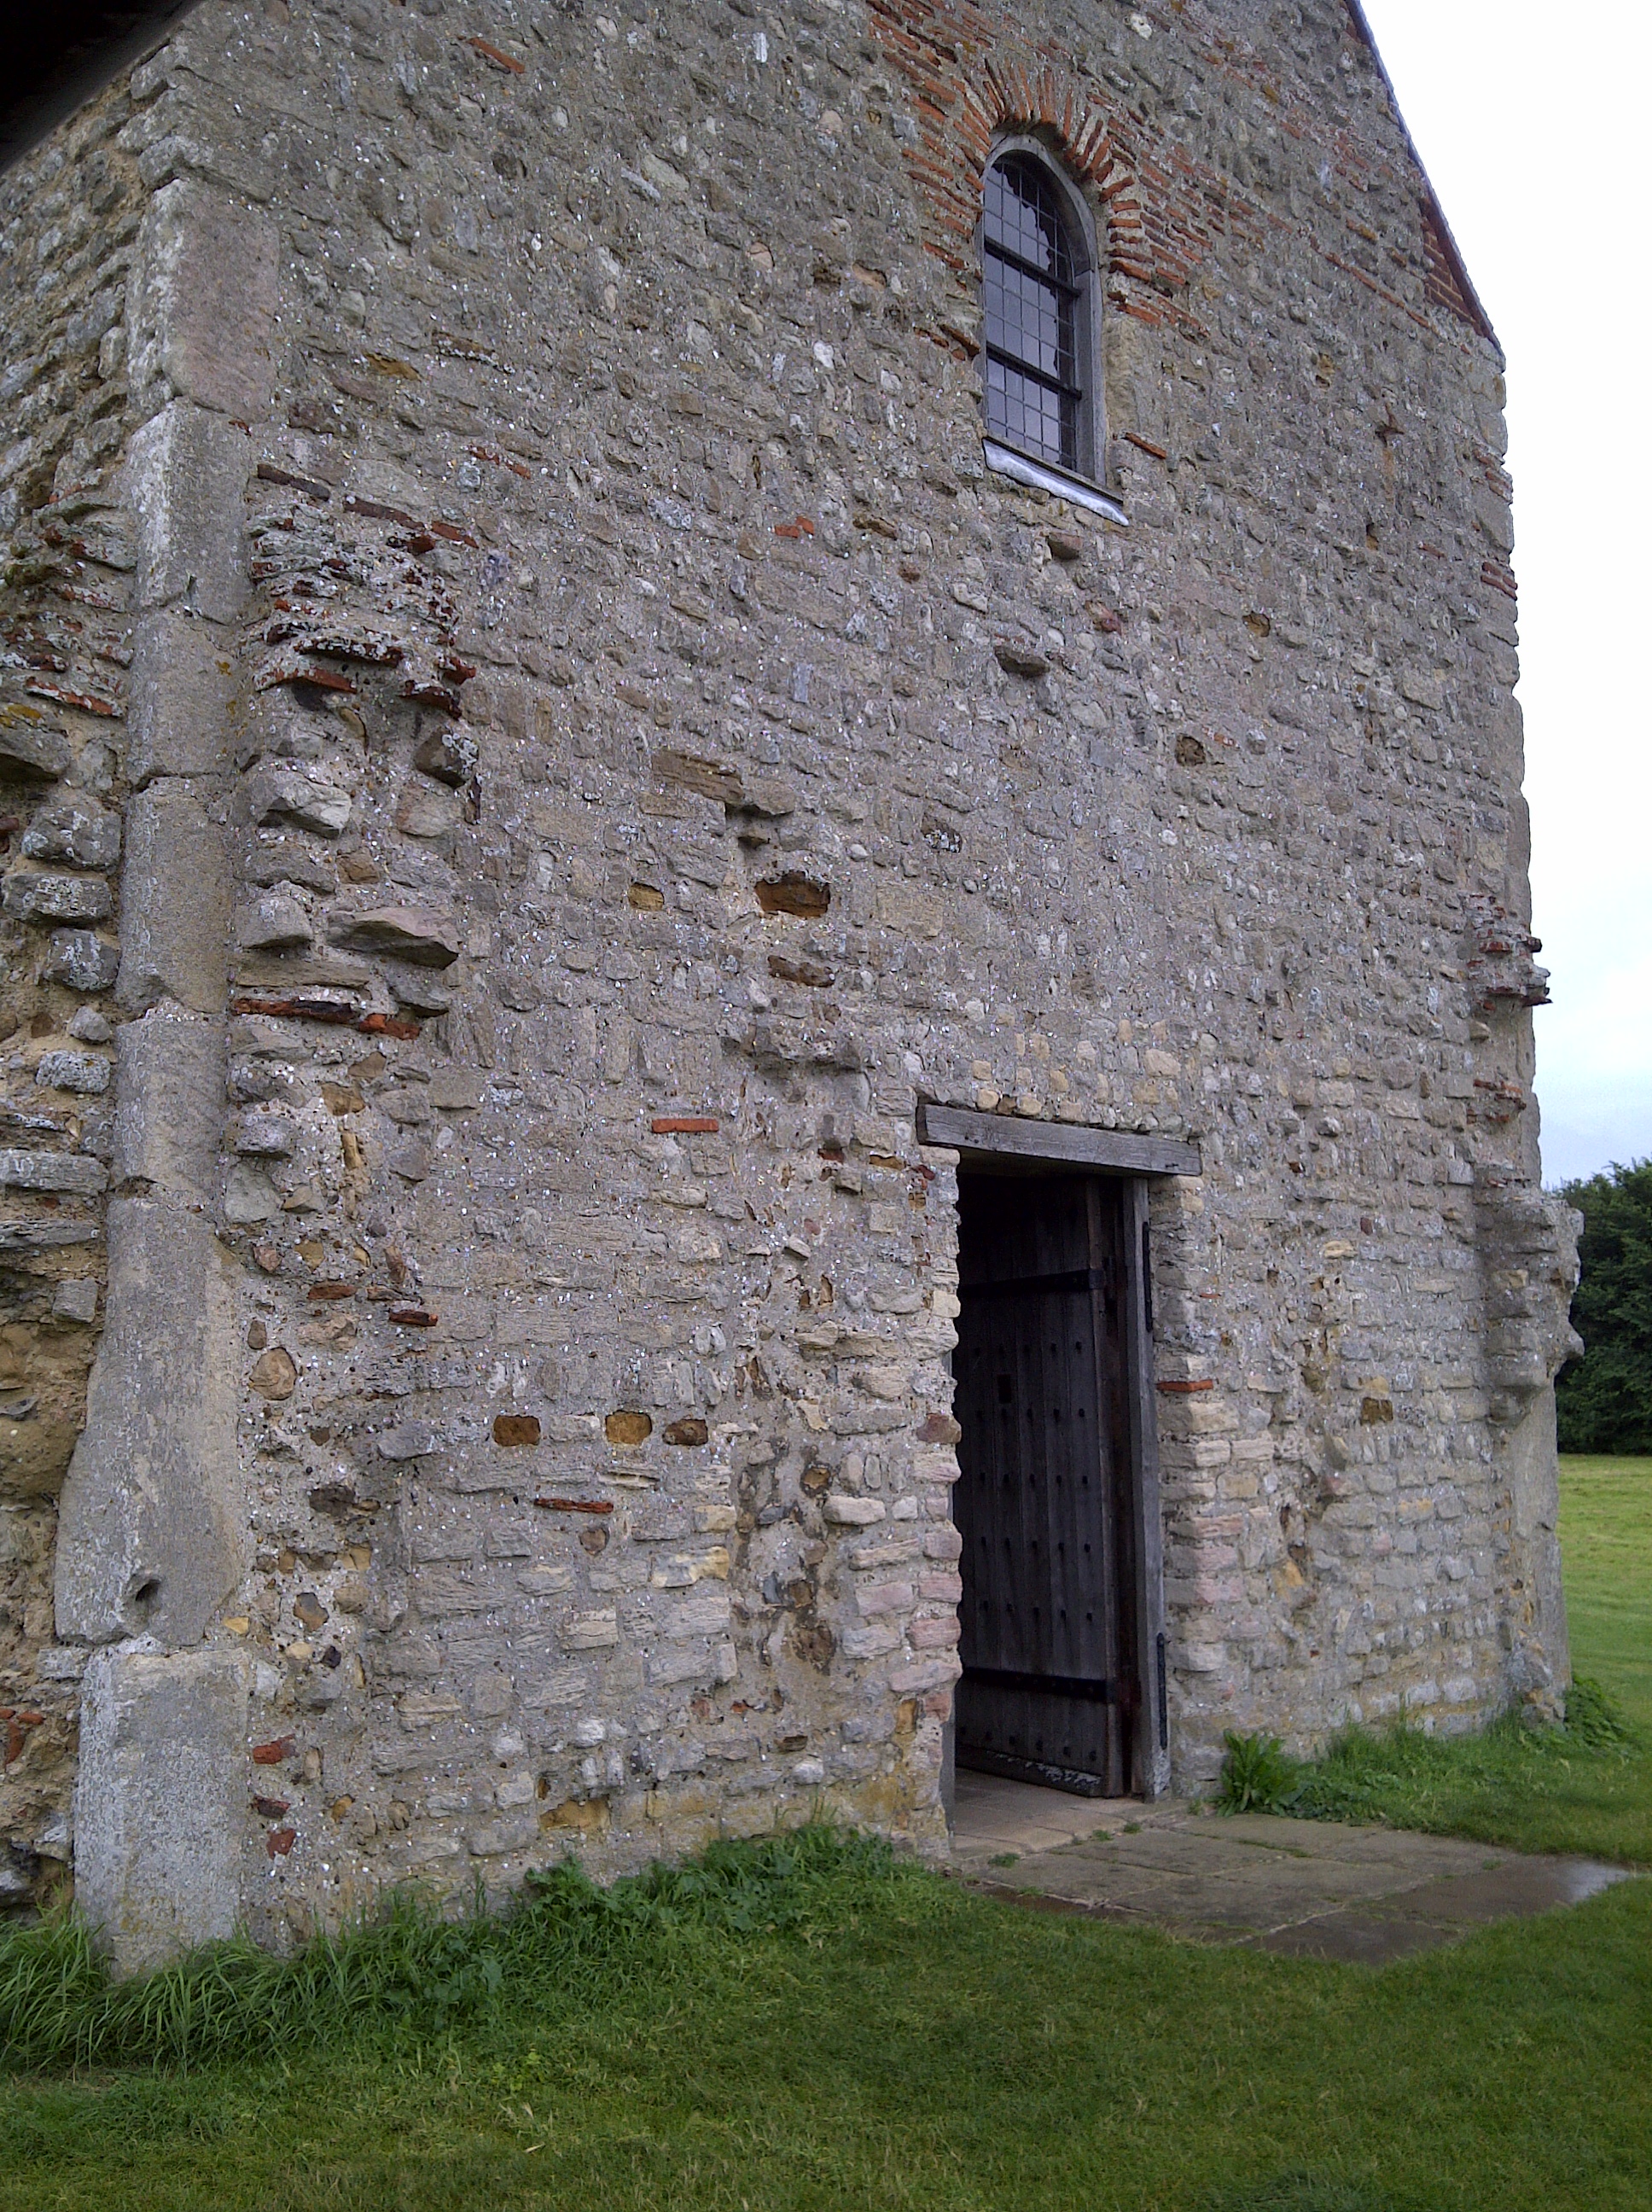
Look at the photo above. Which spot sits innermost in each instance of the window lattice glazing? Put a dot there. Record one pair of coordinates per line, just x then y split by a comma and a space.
1031, 279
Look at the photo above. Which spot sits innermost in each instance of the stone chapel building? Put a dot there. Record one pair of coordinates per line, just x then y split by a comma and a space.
767, 997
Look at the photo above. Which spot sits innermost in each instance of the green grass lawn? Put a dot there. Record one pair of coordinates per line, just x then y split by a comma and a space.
1606, 1535
893, 2041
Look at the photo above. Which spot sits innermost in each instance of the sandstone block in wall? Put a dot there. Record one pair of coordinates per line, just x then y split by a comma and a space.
152, 1536
186, 482
159, 1801
273, 795
426, 940
44, 899
205, 292
171, 1094
58, 1171
175, 897
76, 830
181, 679
29, 742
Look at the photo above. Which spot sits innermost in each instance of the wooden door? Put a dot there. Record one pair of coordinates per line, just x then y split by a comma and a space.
1048, 1692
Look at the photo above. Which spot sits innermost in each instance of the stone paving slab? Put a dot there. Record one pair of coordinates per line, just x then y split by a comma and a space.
1303, 1888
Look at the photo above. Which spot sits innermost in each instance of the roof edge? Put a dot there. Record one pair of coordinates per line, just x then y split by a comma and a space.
66, 55
1453, 251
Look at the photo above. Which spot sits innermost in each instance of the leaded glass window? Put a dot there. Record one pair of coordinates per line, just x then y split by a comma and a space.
1034, 278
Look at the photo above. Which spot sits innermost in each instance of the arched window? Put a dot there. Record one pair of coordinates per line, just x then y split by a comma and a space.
1039, 301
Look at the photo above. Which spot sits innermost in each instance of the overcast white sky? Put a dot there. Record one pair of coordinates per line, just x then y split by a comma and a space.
1533, 124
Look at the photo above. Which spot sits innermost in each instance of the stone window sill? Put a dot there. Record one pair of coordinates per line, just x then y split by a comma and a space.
1044, 476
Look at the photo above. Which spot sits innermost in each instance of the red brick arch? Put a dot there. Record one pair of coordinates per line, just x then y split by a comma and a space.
1008, 98
968, 85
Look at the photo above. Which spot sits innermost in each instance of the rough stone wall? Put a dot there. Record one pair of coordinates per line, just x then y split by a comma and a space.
653, 756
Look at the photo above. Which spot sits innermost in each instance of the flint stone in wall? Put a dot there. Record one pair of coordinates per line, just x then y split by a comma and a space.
29, 742
181, 680
448, 755
152, 1537
175, 899
45, 899
81, 960
159, 1802
266, 1137
186, 480
203, 296
411, 1440
424, 939
171, 1096
77, 830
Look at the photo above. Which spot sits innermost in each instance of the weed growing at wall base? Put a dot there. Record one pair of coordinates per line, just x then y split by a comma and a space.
410, 1975
1584, 1787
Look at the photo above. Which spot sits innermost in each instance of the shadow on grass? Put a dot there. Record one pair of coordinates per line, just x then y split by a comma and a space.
1303, 2192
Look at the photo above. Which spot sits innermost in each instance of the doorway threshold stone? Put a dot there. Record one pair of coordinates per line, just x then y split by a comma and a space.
1301, 1888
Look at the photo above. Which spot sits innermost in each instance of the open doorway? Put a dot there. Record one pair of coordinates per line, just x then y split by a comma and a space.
1049, 1504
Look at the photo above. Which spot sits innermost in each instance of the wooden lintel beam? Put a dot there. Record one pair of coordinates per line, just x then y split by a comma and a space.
1066, 1144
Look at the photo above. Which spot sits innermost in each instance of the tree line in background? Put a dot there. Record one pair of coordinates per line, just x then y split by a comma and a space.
1604, 1399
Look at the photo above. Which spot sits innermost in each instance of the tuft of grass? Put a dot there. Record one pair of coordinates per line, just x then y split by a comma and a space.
1594, 1718
410, 1973
1258, 1775
1584, 1786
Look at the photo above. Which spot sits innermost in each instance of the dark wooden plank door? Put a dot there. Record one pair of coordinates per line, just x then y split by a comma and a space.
1042, 1504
